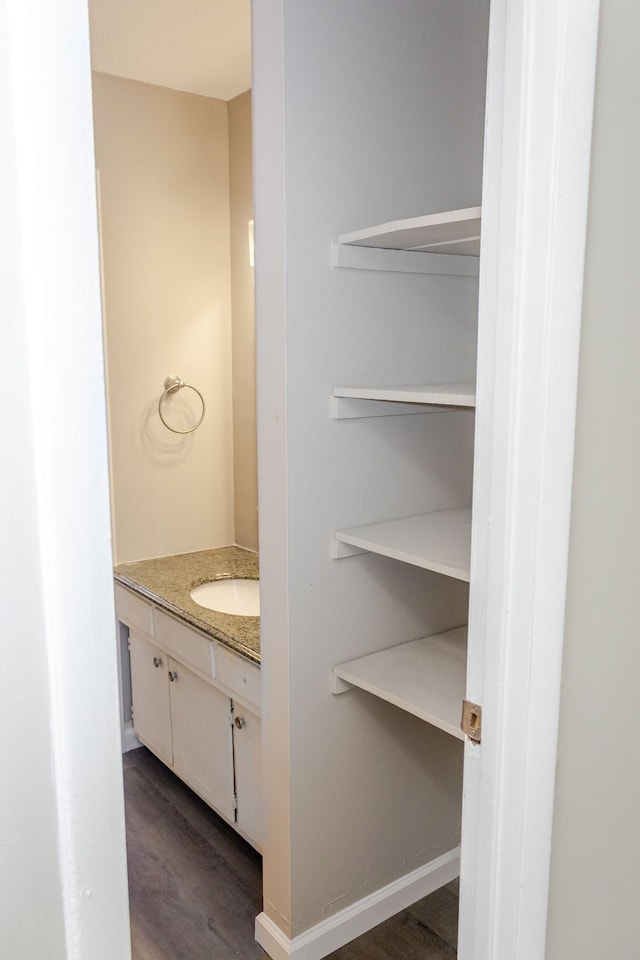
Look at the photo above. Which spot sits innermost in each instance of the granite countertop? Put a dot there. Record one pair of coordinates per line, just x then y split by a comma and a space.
168, 581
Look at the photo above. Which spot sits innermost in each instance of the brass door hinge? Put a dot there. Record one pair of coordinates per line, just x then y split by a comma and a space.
472, 720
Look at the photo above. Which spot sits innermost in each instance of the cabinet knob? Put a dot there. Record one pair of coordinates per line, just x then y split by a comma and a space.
173, 675
157, 661
239, 722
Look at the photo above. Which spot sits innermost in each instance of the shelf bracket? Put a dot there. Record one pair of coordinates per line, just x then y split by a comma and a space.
341, 550
338, 685
403, 261
350, 408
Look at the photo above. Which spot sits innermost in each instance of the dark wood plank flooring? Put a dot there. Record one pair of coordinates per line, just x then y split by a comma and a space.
195, 887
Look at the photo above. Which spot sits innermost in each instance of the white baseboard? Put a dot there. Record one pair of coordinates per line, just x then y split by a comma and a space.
129, 739
342, 927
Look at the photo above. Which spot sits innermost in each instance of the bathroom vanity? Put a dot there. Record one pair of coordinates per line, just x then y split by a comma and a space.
191, 679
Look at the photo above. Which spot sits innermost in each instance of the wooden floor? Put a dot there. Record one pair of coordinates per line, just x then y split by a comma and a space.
195, 885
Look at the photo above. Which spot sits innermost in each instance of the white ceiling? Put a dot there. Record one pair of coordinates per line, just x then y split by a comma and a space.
199, 46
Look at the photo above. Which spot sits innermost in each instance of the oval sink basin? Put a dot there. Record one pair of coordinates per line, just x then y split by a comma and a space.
239, 597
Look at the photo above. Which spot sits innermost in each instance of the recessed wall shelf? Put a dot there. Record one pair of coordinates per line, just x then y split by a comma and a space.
425, 677
439, 541
350, 402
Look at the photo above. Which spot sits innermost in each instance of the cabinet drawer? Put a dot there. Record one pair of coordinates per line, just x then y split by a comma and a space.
184, 642
238, 674
133, 611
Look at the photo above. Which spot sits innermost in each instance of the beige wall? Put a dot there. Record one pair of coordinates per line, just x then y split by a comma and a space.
593, 910
164, 178
243, 314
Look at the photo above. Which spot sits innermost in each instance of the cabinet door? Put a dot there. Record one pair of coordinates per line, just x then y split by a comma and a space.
202, 746
247, 742
150, 696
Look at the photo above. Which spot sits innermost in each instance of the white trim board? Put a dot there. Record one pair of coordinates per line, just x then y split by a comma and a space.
403, 261
350, 408
353, 921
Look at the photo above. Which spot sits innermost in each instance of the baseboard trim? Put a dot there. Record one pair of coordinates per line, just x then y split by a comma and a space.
342, 927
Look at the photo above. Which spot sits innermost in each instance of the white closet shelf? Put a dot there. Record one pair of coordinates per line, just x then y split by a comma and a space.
439, 541
349, 403
452, 232
460, 394
426, 677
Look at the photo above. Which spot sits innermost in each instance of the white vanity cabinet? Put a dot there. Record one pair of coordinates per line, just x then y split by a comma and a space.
196, 706
185, 721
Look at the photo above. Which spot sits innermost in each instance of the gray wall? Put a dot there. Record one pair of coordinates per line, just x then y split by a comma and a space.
593, 911
357, 793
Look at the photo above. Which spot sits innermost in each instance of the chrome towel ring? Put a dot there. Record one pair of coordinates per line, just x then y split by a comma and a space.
171, 385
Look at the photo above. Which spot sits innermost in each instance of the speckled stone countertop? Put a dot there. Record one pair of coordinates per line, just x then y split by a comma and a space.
168, 581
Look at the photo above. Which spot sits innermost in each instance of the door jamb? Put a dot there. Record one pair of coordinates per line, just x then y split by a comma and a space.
535, 198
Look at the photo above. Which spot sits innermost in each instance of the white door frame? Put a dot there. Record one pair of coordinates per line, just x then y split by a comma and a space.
48, 157
535, 198
535, 195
